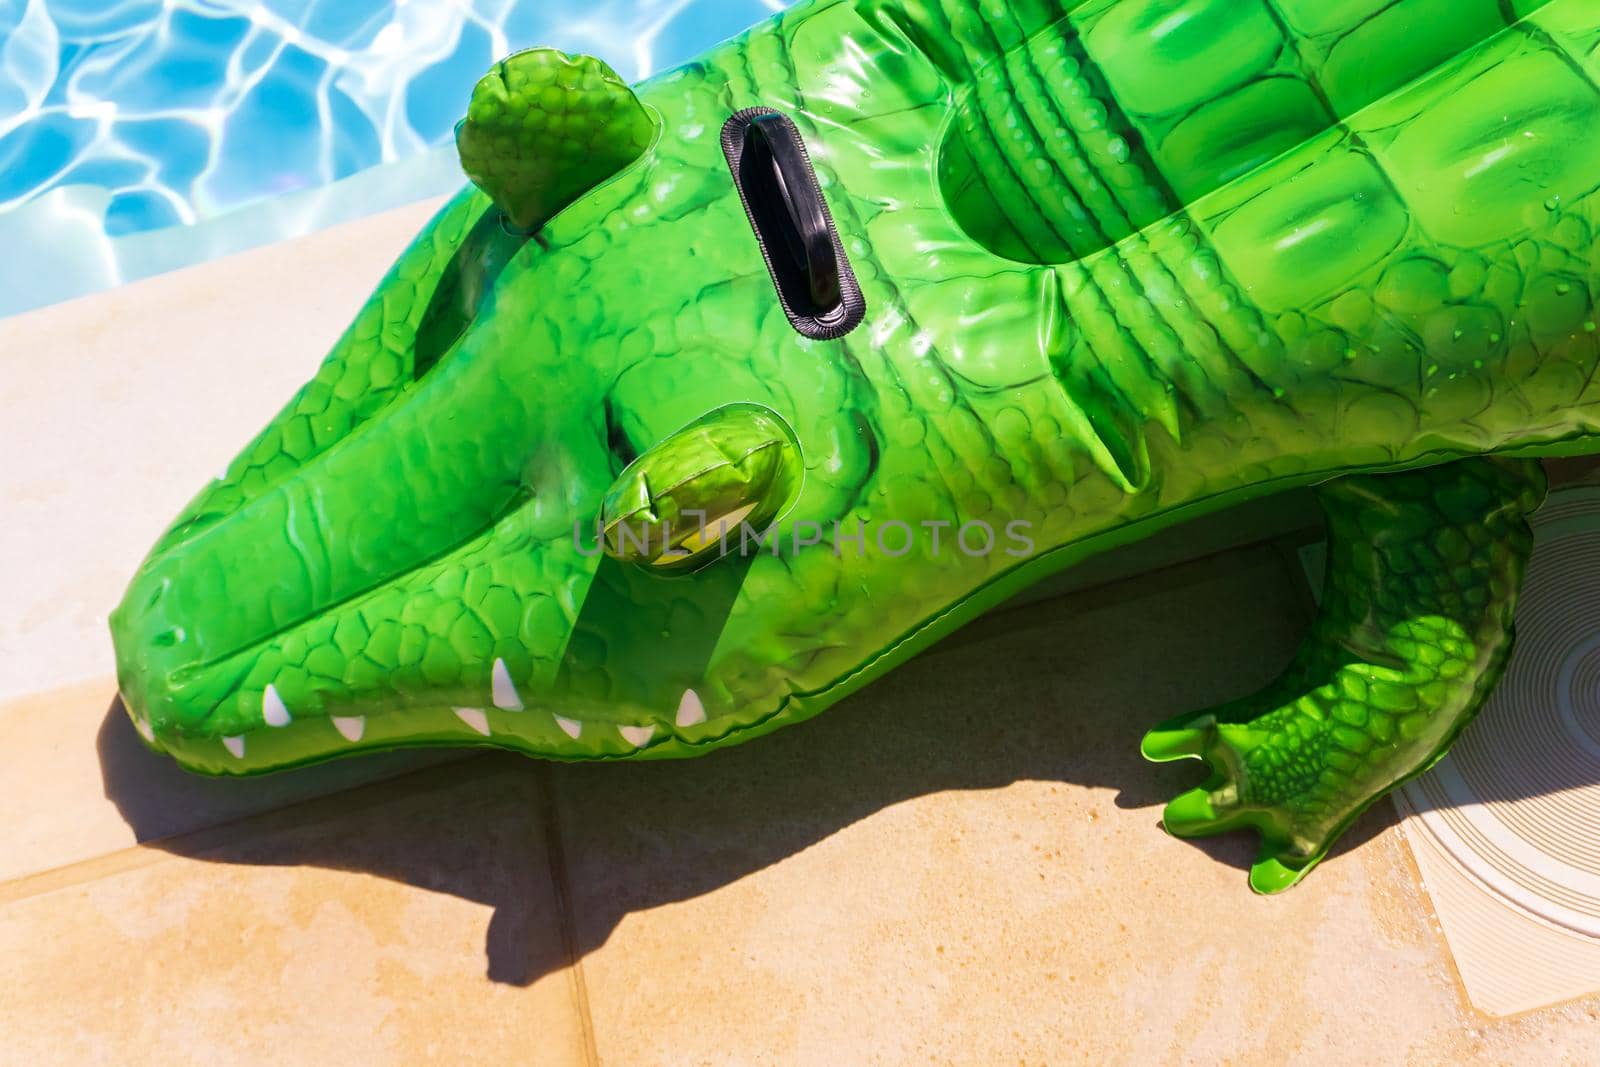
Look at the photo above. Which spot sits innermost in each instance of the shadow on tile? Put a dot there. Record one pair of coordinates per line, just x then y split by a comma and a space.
494, 809
1057, 692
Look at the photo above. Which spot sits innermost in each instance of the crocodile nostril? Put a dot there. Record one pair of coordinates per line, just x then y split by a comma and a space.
168, 638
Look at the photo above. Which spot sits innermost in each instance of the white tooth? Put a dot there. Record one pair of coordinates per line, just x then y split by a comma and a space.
475, 718
637, 736
505, 694
235, 745
352, 728
690, 711
144, 730
571, 727
272, 708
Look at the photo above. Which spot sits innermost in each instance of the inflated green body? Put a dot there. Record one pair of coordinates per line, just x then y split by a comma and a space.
1124, 261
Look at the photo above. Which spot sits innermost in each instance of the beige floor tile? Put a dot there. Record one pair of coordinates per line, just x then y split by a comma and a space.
409, 922
963, 864
130, 400
79, 783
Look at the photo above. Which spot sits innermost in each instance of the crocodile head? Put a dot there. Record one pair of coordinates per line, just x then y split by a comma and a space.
571, 481
1110, 267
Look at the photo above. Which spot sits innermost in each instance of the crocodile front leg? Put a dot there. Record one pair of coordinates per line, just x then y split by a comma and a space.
1413, 632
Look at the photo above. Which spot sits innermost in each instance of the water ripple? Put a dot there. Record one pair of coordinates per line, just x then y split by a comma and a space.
181, 110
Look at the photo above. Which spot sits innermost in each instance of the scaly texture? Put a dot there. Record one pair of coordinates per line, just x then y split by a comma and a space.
1415, 625
1124, 262
544, 127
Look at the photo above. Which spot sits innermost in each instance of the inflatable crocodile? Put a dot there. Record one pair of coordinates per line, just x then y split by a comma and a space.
712, 401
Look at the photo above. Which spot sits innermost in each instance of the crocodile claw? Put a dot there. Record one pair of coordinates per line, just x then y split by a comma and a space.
1220, 804
1176, 743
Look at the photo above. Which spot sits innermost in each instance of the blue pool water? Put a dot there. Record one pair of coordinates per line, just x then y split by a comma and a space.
140, 115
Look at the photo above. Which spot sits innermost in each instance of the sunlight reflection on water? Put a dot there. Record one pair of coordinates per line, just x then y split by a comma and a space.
184, 109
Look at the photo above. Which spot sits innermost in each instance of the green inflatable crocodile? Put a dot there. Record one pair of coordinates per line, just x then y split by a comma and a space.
713, 401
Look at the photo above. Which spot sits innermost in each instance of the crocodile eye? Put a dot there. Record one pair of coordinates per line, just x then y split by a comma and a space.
544, 128
669, 509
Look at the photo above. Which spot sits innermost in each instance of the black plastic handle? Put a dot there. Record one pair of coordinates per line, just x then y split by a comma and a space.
772, 142
770, 165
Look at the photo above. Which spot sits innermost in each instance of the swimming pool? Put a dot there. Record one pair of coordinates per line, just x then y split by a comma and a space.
124, 120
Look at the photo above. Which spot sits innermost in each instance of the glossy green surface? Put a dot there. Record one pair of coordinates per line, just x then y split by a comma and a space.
544, 128
678, 503
1414, 630
1125, 261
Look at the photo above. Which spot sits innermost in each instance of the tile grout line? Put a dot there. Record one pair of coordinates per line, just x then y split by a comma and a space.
555, 853
82, 872
140, 854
